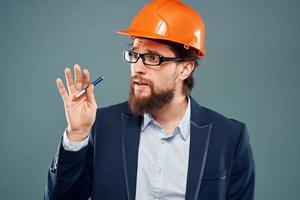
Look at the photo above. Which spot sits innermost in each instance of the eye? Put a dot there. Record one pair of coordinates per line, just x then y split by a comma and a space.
133, 55
152, 58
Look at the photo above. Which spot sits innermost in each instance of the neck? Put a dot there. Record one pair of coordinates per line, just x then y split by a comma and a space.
171, 114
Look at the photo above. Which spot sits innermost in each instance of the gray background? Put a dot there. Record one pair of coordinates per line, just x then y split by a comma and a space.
251, 73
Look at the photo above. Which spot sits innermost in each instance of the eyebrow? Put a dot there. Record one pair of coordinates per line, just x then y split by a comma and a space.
133, 48
148, 51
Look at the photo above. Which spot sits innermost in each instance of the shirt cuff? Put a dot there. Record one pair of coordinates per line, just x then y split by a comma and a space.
73, 146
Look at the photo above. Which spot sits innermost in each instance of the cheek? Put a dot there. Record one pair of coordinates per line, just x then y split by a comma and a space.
163, 83
168, 80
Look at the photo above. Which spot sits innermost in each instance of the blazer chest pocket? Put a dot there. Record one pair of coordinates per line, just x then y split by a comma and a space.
214, 175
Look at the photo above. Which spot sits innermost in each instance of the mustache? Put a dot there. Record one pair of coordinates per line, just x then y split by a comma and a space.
140, 79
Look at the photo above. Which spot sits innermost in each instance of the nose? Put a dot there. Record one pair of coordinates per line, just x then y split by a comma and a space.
138, 67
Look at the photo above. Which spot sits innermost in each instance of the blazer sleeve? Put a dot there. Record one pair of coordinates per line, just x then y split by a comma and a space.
242, 178
70, 174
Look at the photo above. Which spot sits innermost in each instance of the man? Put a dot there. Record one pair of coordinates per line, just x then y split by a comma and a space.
160, 144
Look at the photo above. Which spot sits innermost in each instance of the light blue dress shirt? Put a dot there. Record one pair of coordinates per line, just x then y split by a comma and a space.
163, 160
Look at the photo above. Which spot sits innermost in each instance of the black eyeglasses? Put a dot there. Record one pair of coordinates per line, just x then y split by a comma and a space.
149, 59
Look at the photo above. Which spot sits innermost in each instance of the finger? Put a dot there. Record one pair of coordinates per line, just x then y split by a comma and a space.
69, 80
61, 89
78, 82
86, 77
90, 95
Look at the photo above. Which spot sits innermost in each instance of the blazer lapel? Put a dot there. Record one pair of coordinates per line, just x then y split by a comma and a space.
131, 125
199, 143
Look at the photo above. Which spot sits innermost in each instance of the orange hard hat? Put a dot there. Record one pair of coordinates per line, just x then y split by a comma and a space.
169, 20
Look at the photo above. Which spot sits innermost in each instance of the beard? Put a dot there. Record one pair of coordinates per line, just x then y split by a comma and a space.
155, 100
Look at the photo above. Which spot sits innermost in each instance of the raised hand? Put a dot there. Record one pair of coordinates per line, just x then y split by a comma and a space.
80, 113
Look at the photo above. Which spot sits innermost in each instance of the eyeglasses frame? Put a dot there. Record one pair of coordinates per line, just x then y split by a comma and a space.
162, 59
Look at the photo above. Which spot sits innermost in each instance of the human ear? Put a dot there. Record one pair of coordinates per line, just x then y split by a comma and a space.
185, 69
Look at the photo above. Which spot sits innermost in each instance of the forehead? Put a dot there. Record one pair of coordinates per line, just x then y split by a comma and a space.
143, 44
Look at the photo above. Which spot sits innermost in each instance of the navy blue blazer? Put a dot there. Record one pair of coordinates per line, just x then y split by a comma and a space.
220, 166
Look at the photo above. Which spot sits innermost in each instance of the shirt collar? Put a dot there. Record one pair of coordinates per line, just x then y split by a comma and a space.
147, 119
183, 126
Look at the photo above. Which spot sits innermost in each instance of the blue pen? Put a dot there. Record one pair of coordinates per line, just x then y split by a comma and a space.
95, 82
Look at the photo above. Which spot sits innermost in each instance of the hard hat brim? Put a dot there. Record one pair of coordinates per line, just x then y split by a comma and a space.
142, 34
